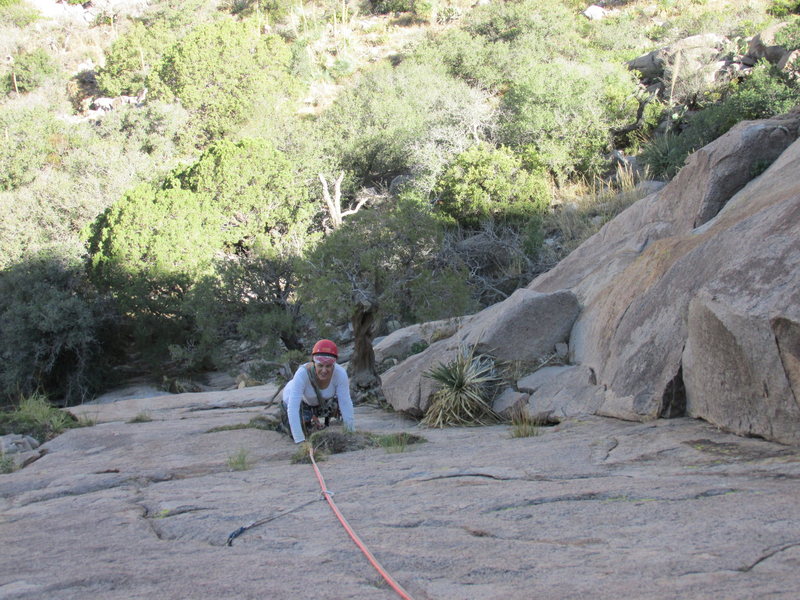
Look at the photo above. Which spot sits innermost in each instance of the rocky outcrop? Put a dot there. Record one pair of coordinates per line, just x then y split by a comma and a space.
709, 233
689, 301
524, 327
696, 53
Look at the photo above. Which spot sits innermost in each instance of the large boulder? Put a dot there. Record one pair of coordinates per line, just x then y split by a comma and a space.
709, 232
696, 54
739, 368
525, 327
689, 302
764, 46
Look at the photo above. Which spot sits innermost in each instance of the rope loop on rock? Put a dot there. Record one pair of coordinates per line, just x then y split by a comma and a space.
373, 561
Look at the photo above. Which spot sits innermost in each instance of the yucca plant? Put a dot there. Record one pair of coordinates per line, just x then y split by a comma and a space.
468, 386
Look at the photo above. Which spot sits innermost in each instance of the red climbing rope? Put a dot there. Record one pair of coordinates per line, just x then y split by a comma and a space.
392, 583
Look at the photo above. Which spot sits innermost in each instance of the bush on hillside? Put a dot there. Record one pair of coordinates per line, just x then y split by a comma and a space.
53, 330
407, 120
468, 57
510, 21
563, 112
132, 57
29, 71
485, 183
783, 8
159, 249
254, 188
220, 72
765, 93
17, 13
388, 256
30, 138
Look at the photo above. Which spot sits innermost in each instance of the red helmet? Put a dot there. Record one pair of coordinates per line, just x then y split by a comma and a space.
325, 347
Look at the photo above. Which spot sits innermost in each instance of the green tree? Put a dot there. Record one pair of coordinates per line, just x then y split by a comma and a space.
133, 56
54, 330
221, 71
30, 70
378, 263
169, 253
563, 112
406, 120
485, 183
29, 139
255, 188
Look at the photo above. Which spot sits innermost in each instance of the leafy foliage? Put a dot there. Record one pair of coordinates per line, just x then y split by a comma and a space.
53, 327
17, 13
468, 383
484, 183
563, 112
220, 71
789, 35
30, 70
36, 417
782, 8
162, 249
133, 56
401, 121
30, 136
389, 255
253, 186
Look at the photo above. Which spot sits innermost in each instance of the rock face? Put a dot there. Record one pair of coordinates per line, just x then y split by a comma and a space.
593, 508
689, 300
709, 233
524, 327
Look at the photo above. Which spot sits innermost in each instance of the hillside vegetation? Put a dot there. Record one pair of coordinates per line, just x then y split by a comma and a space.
187, 185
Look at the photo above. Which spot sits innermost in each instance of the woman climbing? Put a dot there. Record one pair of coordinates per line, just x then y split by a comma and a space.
319, 389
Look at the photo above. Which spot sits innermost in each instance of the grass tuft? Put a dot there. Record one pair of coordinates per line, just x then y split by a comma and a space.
39, 419
397, 442
142, 417
239, 461
523, 424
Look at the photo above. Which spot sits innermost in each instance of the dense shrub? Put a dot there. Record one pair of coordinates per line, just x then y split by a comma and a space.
30, 137
29, 71
468, 57
564, 111
789, 36
220, 71
17, 13
400, 121
133, 56
484, 183
510, 21
388, 256
52, 330
782, 8
160, 249
765, 93
254, 188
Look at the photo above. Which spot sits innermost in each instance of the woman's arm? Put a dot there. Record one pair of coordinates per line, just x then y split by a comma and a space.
295, 397
345, 402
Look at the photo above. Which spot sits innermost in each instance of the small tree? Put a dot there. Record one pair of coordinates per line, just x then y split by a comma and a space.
30, 70
53, 328
221, 71
381, 262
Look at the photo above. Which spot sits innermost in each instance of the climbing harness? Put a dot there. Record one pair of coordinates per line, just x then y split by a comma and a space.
328, 495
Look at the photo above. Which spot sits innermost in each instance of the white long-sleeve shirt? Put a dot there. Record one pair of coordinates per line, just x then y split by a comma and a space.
300, 389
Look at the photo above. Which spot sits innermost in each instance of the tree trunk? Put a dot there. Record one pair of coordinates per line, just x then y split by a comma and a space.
365, 383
